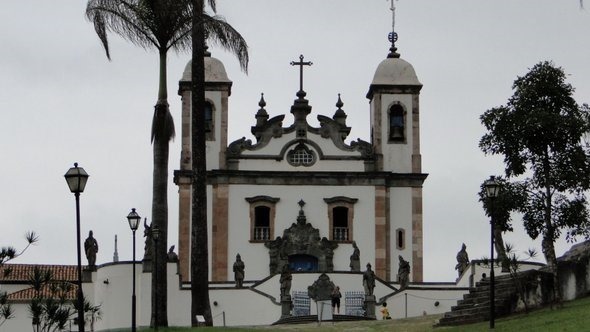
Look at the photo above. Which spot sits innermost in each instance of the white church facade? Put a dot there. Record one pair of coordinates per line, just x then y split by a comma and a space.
294, 197
348, 190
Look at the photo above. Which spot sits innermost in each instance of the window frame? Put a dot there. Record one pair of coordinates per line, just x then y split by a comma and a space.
262, 201
210, 126
397, 107
341, 202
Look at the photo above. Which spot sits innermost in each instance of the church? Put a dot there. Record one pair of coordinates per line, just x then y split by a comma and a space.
348, 190
294, 199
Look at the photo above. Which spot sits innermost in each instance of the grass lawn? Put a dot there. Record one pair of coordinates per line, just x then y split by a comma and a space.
574, 317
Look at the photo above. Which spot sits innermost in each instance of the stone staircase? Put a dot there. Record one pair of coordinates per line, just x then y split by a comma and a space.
475, 306
314, 318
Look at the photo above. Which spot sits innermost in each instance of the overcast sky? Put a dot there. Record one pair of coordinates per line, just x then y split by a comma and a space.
62, 102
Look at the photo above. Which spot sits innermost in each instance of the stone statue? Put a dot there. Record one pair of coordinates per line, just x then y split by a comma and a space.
285, 281
91, 248
403, 273
172, 256
147, 233
369, 280
321, 289
355, 258
239, 267
462, 260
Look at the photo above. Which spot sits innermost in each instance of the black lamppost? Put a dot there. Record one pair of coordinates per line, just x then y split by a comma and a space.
133, 218
155, 236
76, 178
492, 189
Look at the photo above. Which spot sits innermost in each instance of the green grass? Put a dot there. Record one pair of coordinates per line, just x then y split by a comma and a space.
574, 316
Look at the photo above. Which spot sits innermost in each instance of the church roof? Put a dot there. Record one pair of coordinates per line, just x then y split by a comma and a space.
52, 290
395, 71
21, 273
214, 71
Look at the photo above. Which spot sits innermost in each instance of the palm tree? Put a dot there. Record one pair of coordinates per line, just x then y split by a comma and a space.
199, 246
161, 25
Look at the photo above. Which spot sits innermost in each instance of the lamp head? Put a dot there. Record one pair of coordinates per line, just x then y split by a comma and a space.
76, 178
133, 218
155, 233
492, 187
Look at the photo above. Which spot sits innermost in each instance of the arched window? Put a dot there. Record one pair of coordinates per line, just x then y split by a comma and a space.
341, 215
340, 222
209, 122
397, 126
400, 238
261, 223
262, 217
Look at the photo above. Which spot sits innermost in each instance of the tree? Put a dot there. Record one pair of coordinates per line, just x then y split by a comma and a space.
510, 197
199, 240
162, 25
51, 306
7, 254
539, 132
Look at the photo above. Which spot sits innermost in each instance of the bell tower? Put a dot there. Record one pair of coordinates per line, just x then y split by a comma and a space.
217, 92
395, 136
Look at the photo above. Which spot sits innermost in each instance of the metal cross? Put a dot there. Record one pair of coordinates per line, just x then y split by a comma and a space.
301, 64
392, 16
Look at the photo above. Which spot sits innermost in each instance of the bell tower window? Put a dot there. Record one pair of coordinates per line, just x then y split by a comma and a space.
209, 122
397, 123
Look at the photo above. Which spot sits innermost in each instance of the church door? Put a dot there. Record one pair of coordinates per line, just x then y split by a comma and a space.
305, 263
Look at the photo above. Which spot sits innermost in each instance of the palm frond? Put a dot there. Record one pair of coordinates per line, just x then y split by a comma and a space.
144, 23
221, 33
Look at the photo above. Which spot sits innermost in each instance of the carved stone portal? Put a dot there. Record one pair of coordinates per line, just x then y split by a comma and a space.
321, 289
301, 248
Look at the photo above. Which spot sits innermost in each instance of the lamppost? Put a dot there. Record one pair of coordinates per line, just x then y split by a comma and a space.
133, 218
76, 178
492, 188
155, 236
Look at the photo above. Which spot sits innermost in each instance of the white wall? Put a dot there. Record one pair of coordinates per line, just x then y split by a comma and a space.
257, 306
256, 256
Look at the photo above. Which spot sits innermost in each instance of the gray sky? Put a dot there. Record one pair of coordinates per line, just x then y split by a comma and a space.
62, 101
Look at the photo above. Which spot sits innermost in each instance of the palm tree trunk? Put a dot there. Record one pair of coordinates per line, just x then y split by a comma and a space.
161, 138
199, 245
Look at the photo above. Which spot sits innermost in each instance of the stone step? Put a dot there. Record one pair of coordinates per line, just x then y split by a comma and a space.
461, 320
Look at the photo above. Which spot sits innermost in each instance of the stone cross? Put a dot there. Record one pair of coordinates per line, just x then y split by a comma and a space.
301, 64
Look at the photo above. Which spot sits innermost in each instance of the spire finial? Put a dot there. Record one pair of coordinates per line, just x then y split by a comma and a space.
262, 102
339, 103
392, 35
116, 253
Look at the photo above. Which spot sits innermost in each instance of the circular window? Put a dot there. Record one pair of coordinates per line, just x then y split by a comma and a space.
301, 156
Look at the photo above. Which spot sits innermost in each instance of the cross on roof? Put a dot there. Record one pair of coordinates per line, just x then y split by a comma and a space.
301, 64
393, 34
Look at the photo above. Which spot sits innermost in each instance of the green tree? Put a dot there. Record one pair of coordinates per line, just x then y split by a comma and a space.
51, 306
539, 132
6, 255
162, 25
9, 253
510, 197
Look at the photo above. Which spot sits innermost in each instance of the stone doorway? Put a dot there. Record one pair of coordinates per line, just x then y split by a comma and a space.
303, 263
